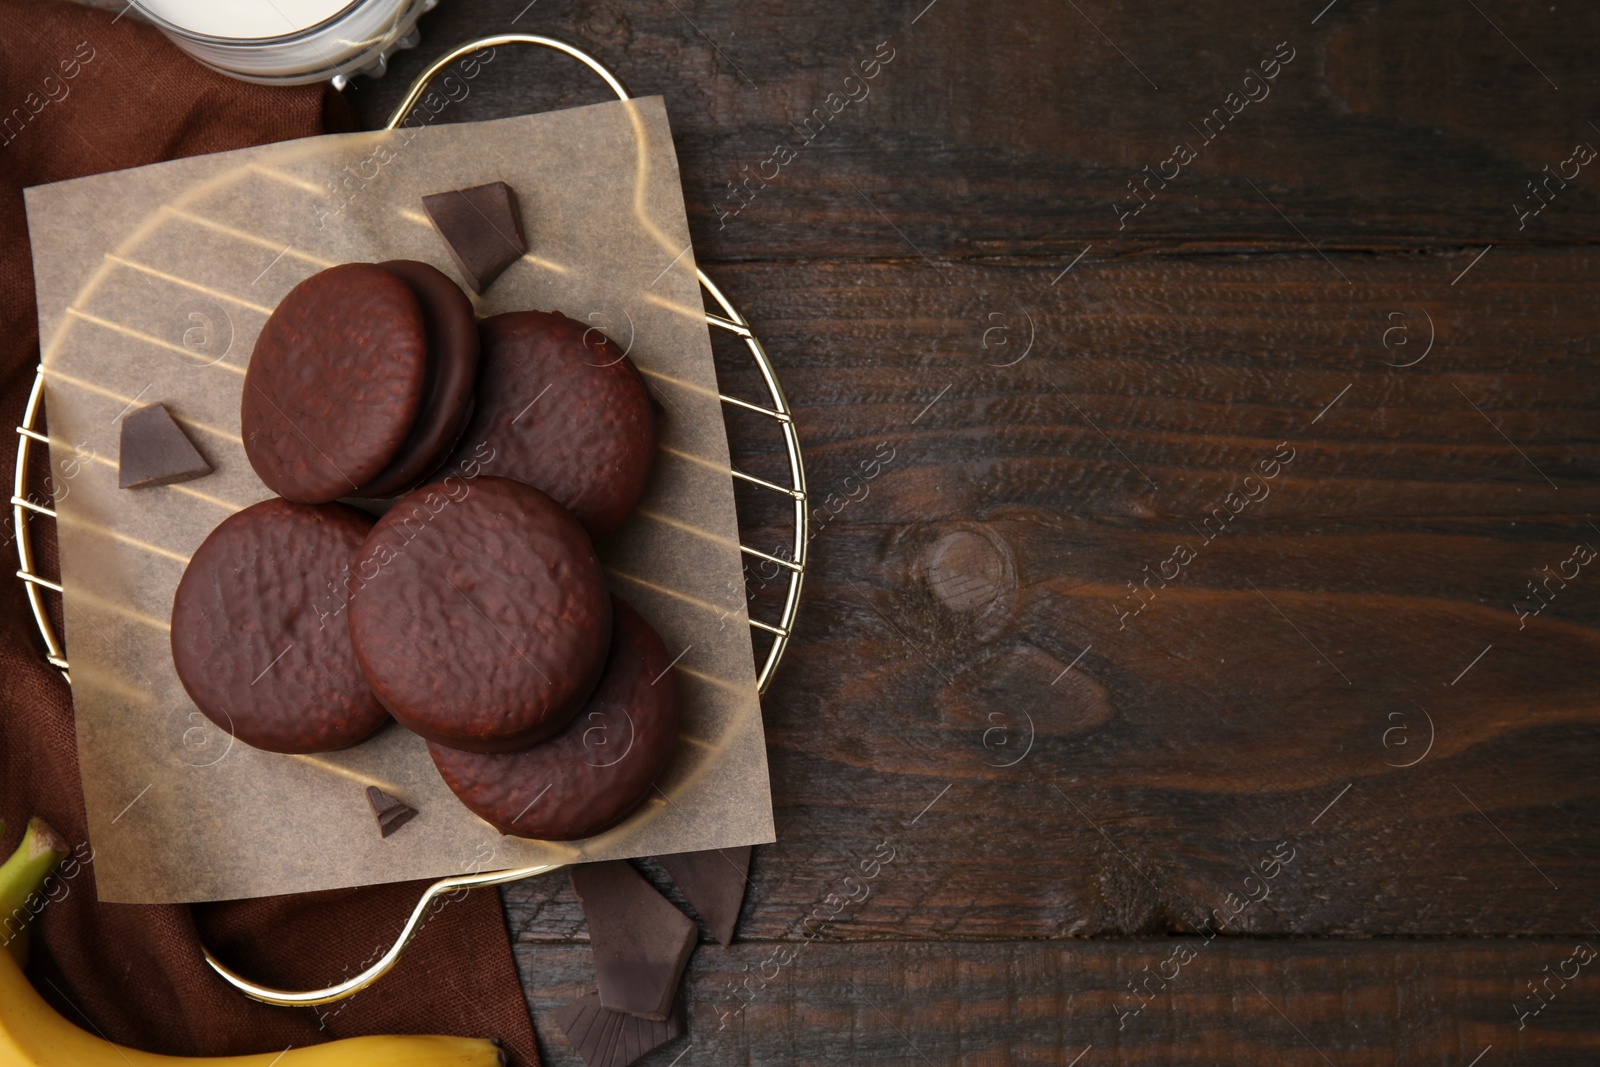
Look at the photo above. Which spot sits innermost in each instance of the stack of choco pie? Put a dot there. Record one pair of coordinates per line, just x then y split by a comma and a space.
474, 610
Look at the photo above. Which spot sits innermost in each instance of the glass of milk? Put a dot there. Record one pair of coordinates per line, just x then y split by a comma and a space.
289, 42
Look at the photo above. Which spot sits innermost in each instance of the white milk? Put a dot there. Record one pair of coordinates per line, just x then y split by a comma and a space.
244, 19
290, 41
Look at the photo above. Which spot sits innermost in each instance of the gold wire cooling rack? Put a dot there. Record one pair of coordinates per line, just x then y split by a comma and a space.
25, 509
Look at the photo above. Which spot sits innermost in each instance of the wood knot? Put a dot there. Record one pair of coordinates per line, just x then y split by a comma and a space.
970, 571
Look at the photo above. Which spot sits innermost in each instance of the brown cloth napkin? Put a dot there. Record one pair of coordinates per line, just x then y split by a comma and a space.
135, 971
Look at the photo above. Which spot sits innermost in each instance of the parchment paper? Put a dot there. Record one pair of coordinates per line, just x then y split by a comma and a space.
152, 286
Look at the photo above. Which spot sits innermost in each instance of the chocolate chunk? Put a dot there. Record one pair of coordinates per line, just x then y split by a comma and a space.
714, 882
156, 451
482, 230
606, 1038
639, 940
392, 814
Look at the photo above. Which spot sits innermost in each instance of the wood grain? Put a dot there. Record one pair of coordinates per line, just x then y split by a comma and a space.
1273, 1004
1304, 650
1016, 131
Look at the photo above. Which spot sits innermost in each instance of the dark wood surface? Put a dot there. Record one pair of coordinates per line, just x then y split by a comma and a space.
1339, 673
1354, 1004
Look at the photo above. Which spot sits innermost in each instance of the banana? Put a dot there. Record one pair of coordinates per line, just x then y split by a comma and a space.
33, 1034
21, 876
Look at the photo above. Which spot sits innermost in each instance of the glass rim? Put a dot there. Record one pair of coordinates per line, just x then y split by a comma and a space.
211, 39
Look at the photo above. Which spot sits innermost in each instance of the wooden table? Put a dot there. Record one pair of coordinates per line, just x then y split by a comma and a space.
1204, 632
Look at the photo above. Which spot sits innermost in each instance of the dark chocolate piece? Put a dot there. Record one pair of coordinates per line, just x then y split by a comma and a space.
639, 940
482, 230
156, 451
713, 881
606, 1038
391, 812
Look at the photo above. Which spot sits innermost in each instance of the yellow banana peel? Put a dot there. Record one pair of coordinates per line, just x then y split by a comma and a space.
33, 1034
21, 878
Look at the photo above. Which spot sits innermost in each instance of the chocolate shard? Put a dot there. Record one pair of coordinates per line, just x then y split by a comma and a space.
482, 230
606, 1038
639, 940
390, 812
713, 881
156, 451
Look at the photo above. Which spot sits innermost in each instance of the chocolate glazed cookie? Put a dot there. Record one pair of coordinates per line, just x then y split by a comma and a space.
258, 634
594, 773
565, 410
335, 383
479, 613
452, 371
